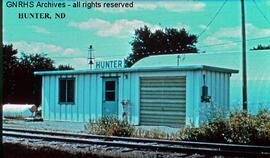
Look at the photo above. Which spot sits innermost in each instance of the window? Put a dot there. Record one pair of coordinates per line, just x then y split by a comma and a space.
110, 91
66, 90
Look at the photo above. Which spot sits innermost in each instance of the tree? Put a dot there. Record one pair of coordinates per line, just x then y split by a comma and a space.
29, 85
65, 67
10, 64
261, 47
159, 42
20, 83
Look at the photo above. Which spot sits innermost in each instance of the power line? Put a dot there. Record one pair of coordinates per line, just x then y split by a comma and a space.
171, 50
239, 41
214, 17
253, 39
261, 12
85, 56
203, 46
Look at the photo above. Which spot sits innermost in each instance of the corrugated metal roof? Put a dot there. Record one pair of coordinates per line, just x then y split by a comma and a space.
139, 69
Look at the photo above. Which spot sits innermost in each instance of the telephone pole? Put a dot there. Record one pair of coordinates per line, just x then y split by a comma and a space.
244, 61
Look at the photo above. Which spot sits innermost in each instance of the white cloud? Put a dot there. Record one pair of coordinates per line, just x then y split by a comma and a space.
146, 5
182, 25
202, 26
69, 51
229, 32
119, 28
211, 40
40, 47
92, 23
184, 6
39, 29
68, 56
232, 34
77, 63
254, 32
172, 6
235, 32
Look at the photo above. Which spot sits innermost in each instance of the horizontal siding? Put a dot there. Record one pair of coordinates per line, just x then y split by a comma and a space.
160, 92
162, 101
173, 96
162, 108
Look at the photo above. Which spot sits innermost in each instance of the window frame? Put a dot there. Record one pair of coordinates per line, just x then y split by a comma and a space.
66, 91
110, 91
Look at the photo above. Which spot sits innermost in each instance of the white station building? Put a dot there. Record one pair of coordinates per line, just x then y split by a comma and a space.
172, 96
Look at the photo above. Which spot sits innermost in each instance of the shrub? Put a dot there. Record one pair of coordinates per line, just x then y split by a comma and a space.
189, 133
262, 121
242, 127
110, 126
239, 127
152, 133
214, 131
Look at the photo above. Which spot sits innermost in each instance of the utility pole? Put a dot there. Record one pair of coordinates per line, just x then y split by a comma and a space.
91, 57
1, 74
178, 60
244, 63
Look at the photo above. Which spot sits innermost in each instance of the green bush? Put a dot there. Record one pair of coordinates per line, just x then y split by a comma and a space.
151, 133
262, 121
189, 133
239, 127
110, 126
214, 131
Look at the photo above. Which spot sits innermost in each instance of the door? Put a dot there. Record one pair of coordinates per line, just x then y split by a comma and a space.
163, 101
110, 97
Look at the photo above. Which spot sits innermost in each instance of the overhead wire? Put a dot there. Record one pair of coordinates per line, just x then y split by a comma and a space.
238, 41
200, 34
261, 12
171, 50
212, 20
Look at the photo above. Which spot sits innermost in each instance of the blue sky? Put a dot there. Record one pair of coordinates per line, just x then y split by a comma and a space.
111, 31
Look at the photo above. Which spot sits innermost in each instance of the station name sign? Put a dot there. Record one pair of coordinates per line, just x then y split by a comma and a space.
109, 64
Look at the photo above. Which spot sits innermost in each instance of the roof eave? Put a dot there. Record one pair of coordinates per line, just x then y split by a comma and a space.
140, 69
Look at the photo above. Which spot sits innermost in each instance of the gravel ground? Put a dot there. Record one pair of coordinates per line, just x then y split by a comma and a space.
46, 125
100, 150
77, 127
68, 126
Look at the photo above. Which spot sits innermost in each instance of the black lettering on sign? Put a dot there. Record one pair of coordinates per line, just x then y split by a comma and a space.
60, 15
111, 64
